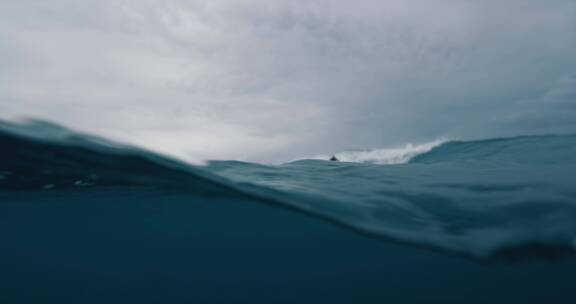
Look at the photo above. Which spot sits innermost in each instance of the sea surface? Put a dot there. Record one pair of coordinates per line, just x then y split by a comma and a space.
87, 220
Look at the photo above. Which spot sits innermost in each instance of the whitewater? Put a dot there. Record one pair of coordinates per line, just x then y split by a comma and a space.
482, 199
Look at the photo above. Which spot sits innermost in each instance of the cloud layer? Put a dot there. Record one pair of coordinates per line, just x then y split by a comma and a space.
273, 80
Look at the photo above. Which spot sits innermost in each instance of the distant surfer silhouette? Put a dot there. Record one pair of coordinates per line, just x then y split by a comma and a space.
334, 158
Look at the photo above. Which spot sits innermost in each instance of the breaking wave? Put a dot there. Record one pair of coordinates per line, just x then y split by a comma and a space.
390, 156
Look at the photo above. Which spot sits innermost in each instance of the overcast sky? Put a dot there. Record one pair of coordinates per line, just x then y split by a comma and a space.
271, 80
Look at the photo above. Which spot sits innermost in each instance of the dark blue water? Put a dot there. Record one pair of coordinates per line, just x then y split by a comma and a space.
84, 220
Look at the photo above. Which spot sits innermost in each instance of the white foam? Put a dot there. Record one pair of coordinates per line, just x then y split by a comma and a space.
390, 156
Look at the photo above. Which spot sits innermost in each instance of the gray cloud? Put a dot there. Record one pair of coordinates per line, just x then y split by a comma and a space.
272, 80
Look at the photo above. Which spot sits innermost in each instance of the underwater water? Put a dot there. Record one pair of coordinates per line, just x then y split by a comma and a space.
85, 220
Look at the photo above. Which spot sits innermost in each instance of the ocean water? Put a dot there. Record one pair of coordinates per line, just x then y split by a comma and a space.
92, 221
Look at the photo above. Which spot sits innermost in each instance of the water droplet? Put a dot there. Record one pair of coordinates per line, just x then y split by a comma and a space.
82, 183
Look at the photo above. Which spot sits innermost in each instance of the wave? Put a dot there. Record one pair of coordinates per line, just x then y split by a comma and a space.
542, 149
484, 199
390, 156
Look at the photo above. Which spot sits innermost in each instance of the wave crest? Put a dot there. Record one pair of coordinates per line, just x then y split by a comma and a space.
389, 156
